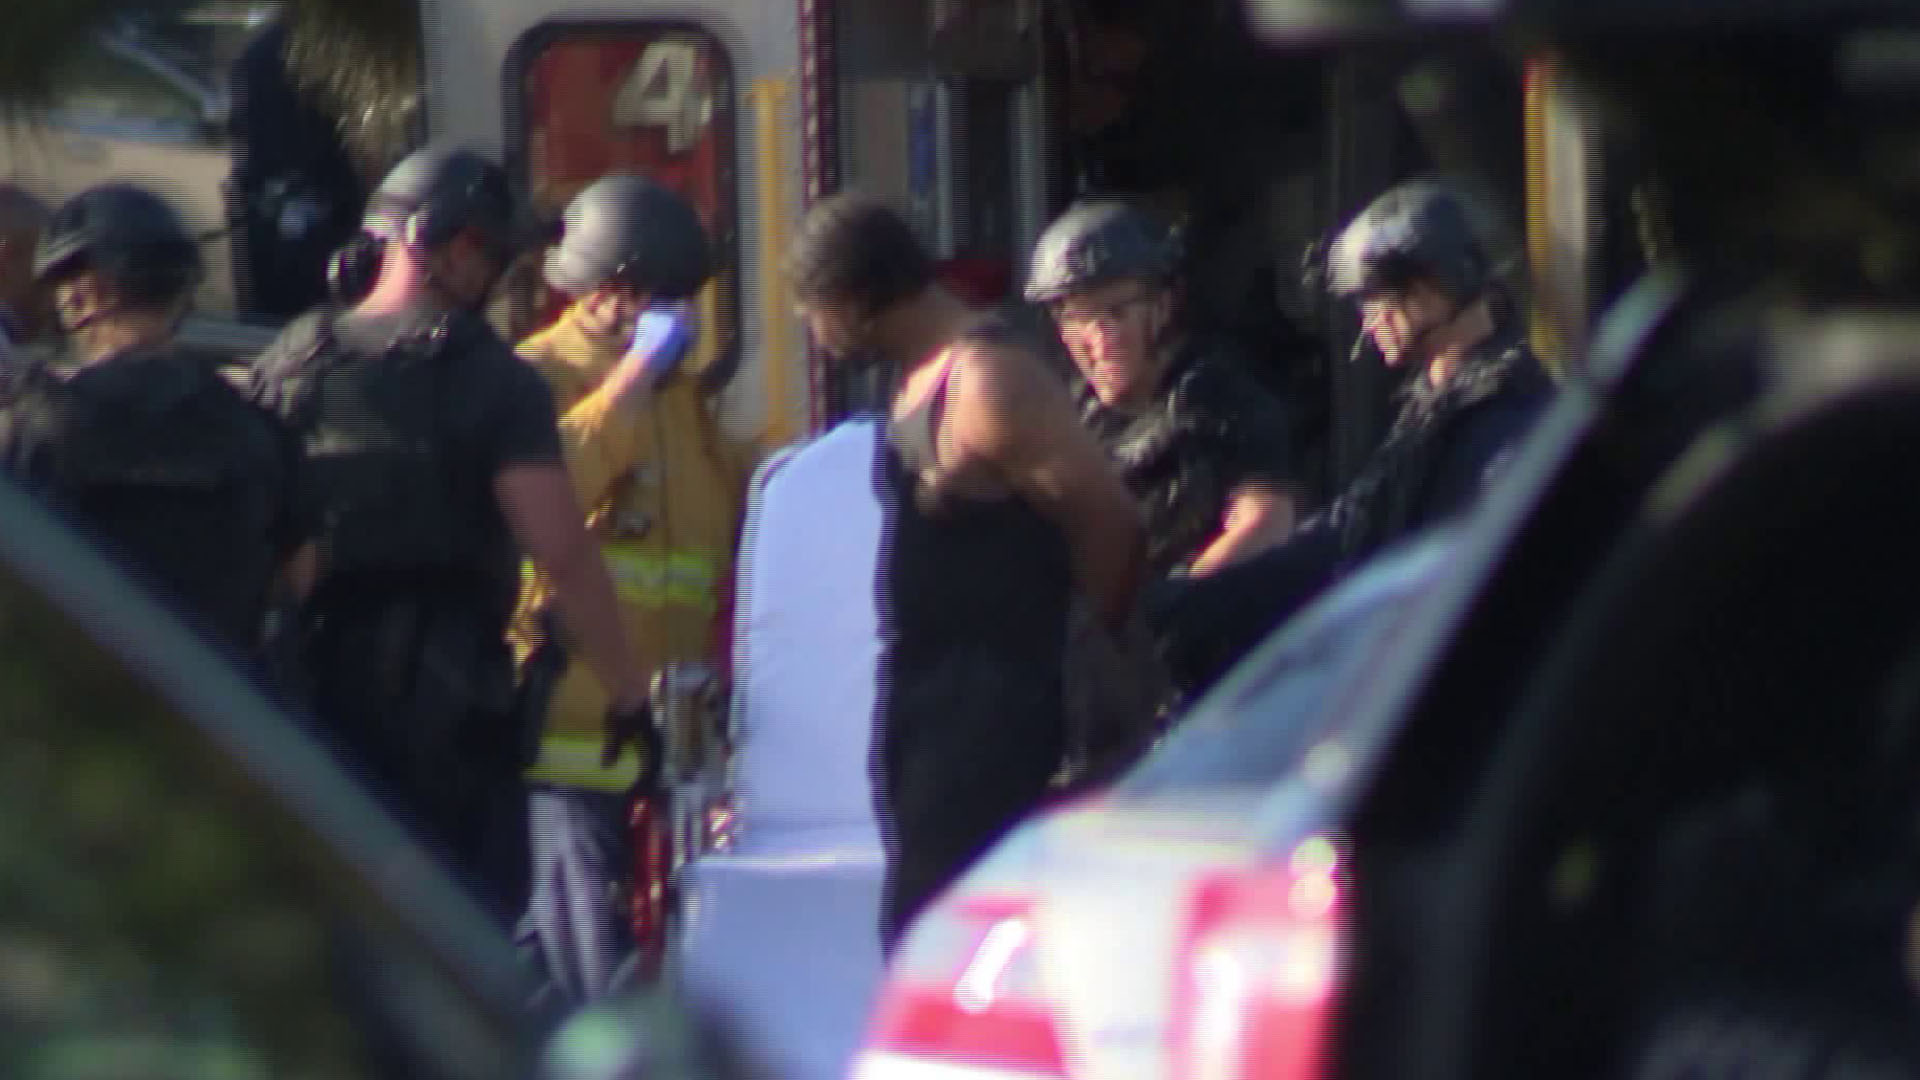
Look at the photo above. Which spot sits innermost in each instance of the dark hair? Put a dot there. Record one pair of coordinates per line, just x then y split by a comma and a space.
853, 249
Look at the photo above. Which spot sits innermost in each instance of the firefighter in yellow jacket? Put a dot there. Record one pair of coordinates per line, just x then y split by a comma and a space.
661, 494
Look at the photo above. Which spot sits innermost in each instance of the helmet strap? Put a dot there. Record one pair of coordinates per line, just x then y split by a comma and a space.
1165, 348
92, 318
106, 306
1423, 334
117, 327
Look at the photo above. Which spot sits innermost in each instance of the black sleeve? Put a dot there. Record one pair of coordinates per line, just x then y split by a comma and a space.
523, 428
1204, 625
299, 517
1245, 425
1472, 459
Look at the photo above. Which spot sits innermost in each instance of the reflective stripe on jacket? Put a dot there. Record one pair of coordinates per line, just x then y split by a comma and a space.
663, 494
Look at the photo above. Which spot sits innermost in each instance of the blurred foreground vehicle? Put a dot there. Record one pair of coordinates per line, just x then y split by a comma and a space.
1188, 921
194, 890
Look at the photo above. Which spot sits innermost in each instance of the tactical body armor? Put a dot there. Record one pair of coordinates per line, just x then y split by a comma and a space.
1444, 444
1441, 450
149, 450
376, 458
1210, 429
158, 458
402, 638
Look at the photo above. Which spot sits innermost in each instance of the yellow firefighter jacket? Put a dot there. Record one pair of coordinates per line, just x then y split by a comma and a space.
663, 494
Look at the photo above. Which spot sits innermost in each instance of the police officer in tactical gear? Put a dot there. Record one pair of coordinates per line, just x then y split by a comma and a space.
434, 460
663, 502
143, 444
1202, 445
1431, 305
1749, 805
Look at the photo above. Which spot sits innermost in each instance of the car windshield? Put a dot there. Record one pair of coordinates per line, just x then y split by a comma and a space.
1283, 699
123, 85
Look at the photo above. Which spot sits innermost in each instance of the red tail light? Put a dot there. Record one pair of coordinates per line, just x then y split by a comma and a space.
965, 990
1261, 964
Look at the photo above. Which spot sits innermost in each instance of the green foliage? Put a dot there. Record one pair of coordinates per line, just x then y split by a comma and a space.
362, 58
147, 928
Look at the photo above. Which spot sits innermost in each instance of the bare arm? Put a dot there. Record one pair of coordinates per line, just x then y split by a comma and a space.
550, 527
1258, 516
1016, 418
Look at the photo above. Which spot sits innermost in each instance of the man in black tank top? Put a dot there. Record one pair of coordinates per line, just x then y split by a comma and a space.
999, 504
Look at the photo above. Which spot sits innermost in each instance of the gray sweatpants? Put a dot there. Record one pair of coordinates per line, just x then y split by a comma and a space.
575, 934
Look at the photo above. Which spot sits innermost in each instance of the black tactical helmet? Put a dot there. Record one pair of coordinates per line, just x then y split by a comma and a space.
1419, 229
127, 234
435, 194
1098, 241
630, 229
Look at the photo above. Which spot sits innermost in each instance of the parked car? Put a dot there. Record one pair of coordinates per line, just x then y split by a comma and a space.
1187, 921
132, 106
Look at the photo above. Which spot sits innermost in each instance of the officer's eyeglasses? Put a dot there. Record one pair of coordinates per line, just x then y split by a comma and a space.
1107, 318
1374, 304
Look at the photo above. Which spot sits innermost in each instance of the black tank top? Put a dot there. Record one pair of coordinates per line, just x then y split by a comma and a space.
990, 573
973, 604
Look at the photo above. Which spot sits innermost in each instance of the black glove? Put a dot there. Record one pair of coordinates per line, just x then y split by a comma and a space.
634, 724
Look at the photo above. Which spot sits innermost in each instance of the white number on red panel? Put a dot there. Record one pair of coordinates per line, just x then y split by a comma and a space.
667, 89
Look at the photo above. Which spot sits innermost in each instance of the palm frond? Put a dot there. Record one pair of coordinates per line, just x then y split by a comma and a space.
360, 59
